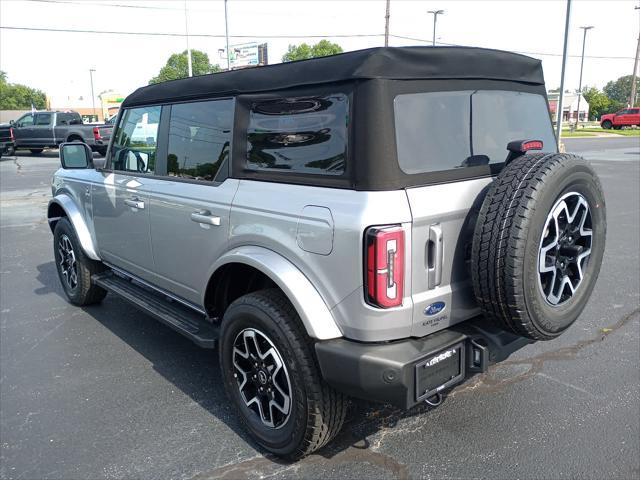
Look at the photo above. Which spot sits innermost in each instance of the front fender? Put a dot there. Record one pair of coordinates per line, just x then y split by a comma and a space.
310, 306
77, 220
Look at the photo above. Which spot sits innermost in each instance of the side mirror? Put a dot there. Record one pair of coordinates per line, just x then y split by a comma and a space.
76, 155
11, 122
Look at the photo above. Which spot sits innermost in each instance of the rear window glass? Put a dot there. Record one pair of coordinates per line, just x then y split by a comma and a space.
299, 135
439, 131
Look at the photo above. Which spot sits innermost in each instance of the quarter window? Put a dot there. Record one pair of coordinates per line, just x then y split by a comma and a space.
299, 135
135, 142
199, 139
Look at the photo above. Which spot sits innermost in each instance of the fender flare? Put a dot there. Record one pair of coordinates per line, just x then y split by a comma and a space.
313, 311
72, 212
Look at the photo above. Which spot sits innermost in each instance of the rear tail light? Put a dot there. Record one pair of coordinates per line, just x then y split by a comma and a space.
96, 133
384, 252
11, 134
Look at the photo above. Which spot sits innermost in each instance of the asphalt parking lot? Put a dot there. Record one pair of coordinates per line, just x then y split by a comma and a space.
108, 392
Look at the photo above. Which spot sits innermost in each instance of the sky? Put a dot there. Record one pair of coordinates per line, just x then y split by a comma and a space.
58, 63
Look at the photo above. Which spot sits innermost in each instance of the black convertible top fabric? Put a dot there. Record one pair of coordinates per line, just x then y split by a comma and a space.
392, 63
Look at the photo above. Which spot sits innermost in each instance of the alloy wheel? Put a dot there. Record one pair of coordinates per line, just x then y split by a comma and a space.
67, 262
262, 377
565, 248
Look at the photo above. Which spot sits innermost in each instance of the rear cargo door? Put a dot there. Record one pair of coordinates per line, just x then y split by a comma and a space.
461, 136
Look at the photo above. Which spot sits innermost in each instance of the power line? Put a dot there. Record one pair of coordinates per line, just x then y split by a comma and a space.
204, 35
119, 5
514, 51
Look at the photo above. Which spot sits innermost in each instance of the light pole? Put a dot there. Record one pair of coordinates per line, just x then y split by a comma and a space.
564, 67
584, 40
386, 25
93, 98
435, 19
226, 34
186, 31
632, 97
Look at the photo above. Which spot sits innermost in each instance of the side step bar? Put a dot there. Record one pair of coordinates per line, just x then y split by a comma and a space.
182, 319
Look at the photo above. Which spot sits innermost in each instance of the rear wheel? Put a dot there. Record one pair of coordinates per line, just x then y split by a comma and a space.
36, 151
74, 267
607, 124
538, 244
270, 373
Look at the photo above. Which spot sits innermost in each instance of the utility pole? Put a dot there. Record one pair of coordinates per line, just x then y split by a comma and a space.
584, 40
93, 97
435, 19
634, 77
186, 31
386, 26
226, 30
564, 67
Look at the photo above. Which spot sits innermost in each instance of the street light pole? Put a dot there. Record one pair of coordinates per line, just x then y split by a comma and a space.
435, 19
386, 26
584, 40
226, 34
93, 98
186, 31
634, 77
564, 67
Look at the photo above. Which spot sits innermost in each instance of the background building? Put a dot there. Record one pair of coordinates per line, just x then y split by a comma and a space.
569, 107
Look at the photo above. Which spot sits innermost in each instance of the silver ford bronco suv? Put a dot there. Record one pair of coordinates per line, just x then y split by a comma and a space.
380, 224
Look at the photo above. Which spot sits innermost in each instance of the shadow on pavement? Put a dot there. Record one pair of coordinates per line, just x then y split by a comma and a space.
195, 372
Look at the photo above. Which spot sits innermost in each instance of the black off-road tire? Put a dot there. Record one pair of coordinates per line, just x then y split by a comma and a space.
607, 124
36, 151
317, 411
509, 234
84, 292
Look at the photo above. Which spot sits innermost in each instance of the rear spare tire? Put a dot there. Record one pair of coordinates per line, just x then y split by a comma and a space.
538, 244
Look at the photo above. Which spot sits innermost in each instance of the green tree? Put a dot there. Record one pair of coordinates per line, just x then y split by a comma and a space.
303, 51
619, 90
14, 96
599, 103
177, 66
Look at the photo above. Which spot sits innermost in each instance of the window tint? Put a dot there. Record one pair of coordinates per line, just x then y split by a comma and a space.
301, 135
438, 131
135, 142
25, 121
43, 118
199, 138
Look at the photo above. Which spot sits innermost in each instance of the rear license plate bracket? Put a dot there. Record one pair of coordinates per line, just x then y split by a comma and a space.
440, 371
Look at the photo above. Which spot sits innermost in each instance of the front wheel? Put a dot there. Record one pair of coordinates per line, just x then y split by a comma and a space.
74, 267
270, 374
607, 124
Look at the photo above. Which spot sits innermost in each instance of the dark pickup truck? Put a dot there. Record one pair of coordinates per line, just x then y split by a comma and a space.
7, 144
48, 129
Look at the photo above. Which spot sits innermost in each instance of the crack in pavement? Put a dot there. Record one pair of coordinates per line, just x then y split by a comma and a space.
352, 445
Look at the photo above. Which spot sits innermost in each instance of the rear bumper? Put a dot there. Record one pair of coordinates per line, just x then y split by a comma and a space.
386, 372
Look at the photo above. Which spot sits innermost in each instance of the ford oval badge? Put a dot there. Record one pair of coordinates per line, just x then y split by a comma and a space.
434, 308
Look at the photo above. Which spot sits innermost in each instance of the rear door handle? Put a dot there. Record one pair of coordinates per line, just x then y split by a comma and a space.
435, 250
134, 202
204, 216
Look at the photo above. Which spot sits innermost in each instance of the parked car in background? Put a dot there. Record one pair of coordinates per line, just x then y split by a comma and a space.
39, 130
624, 118
7, 144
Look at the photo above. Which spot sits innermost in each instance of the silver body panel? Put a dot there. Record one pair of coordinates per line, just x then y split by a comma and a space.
308, 240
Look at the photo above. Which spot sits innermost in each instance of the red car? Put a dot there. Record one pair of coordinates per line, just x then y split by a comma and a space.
626, 117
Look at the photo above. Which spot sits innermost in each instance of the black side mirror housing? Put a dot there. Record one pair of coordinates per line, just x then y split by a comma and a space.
11, 122
76, 155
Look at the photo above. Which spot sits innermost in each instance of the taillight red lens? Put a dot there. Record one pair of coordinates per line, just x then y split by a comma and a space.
532, 145
385, 266
96, 133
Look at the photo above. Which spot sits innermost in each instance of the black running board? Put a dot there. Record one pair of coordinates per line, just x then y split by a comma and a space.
182, 319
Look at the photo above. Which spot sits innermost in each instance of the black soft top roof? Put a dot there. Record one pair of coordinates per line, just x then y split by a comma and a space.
392, 63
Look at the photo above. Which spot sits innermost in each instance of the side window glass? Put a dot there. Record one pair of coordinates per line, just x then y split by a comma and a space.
43, 119
199, 139
25, 121
299, 135
135, 142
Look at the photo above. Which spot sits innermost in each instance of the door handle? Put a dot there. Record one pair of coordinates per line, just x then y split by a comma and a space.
204, 216
134, 202
435, 250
